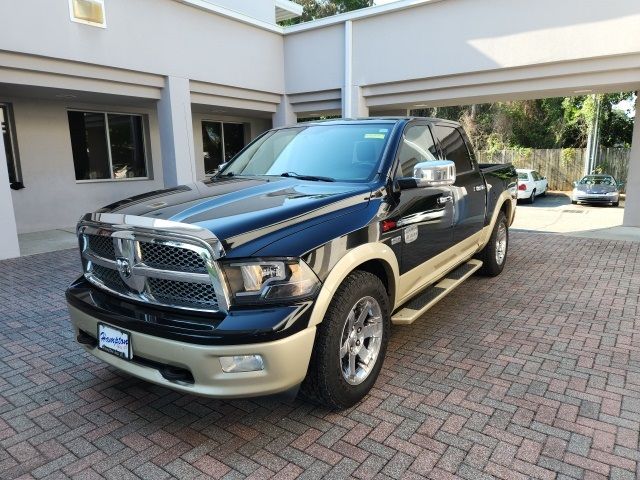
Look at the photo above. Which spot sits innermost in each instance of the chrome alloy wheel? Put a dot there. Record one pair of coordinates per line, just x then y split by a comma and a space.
501, 244
361, 340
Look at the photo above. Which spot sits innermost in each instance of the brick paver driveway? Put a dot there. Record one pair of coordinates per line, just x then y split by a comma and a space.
534, 374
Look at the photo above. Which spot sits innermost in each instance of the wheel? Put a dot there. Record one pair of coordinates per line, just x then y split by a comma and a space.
544, 194
616, 204
494, 254
532, 198
573, 202
350, 344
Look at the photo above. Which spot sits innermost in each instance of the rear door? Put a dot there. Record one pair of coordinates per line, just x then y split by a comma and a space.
424, 214
469, 191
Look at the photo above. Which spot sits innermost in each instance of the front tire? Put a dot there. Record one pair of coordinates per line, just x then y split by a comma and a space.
351, 343
494, 254
616, 204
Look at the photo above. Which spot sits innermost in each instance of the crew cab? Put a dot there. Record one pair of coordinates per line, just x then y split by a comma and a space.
287, 268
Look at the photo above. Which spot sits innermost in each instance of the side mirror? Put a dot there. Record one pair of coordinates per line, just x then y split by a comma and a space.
575, 184
439, 173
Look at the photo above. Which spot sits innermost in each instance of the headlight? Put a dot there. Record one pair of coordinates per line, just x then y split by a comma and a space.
270, 280
612, 194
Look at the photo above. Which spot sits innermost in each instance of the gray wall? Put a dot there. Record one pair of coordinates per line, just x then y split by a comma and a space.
52, 197
157, 36
315, 59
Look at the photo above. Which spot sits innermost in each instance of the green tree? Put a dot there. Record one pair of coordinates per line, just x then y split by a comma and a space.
314, 9
562, 122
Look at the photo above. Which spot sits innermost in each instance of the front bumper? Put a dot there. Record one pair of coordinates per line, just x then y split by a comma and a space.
285, 361
182, 350
595, 198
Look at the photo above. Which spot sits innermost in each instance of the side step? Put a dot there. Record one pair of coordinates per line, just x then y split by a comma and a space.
419, 304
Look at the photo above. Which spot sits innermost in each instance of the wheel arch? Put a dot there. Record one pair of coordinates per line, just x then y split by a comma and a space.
376, 258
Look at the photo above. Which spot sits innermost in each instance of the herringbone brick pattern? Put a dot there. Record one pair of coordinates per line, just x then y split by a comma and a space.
534, 374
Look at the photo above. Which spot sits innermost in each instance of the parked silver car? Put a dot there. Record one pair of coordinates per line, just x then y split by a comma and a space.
596, 189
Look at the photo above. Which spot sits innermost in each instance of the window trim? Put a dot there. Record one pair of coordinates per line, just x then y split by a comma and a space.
458, 129
395, 170
222, 122
13, 143
147, 163
87, 22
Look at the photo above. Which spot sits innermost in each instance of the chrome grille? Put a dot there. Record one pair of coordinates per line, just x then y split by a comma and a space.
167, 257
153, 269
102, 246
182, 293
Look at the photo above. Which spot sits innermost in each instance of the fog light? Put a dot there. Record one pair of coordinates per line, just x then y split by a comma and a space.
242, 363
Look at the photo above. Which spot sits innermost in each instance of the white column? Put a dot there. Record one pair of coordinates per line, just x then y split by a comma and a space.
9, 247
632, 203
353, 103
284, 114
176, 132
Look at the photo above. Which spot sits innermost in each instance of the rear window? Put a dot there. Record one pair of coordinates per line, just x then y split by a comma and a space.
523, 176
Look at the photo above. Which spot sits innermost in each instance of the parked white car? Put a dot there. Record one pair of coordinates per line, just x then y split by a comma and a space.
531, 185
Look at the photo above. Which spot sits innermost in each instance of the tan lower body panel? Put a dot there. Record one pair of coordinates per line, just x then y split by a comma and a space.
434, 294
285, 362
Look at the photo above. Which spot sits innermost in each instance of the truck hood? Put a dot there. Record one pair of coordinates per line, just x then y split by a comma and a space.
242, 210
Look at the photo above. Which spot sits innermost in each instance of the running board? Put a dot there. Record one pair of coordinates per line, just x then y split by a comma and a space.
419, 304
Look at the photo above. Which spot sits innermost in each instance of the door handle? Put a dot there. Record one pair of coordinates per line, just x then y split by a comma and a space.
445, 199
479, 188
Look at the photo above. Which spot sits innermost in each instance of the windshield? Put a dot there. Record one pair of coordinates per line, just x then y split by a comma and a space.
337, 152
596, 180
523, 176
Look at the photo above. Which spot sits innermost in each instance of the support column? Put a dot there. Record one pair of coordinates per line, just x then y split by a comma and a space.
9, 247
632, 203
353, 103
284, 114
176, 132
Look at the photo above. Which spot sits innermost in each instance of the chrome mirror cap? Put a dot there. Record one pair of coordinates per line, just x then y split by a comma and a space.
438, 173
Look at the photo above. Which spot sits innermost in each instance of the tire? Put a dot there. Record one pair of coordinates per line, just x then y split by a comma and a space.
326, 381
616, 204
492, 265
573, 202
532, 198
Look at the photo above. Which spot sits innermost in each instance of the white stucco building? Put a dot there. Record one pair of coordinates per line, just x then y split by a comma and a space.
104, 99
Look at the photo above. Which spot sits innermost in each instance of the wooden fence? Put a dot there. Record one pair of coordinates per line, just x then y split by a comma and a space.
562, 166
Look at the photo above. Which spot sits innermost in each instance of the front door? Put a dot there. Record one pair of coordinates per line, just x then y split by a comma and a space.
424, 215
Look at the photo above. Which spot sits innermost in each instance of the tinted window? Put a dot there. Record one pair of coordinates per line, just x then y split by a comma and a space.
342, 152
107, 146
417, 146
220, 143
523, 176
453, 147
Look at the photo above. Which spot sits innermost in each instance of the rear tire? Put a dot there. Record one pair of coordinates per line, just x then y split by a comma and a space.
532, 198
494, 254
573, 202
333, 378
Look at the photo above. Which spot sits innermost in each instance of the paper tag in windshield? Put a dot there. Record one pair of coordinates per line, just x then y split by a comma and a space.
374, 135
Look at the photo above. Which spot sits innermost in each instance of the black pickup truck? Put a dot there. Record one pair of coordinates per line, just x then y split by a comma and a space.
286, 269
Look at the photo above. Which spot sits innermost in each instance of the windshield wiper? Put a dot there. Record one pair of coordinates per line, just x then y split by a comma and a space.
307, 177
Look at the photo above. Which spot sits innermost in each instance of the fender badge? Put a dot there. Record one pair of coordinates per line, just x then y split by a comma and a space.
410, 233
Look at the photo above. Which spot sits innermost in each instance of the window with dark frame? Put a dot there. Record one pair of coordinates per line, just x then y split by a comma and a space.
10, 147
107, 146
454, 147
221, 141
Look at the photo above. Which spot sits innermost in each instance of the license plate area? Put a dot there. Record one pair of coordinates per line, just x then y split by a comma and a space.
114, 341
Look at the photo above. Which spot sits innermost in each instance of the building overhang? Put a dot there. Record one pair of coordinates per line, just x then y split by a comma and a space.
286, 10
